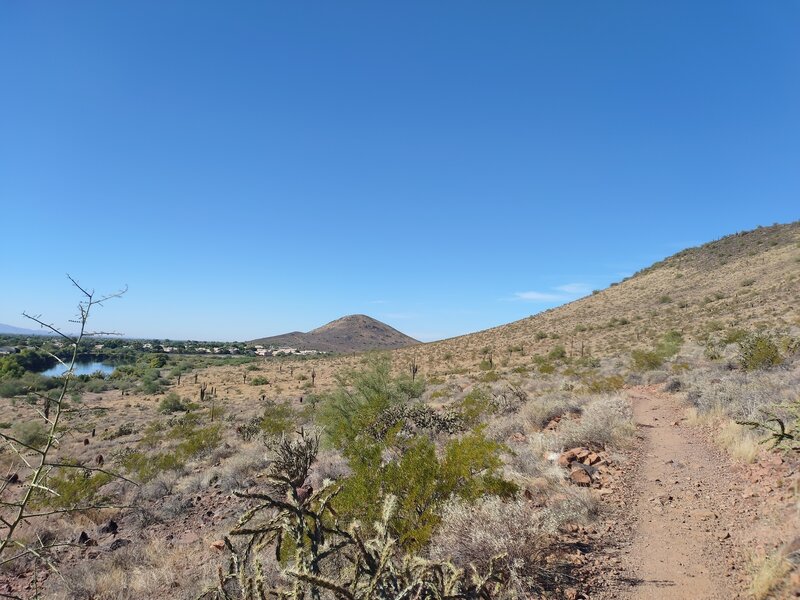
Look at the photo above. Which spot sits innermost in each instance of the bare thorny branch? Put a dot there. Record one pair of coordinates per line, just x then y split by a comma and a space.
42, 463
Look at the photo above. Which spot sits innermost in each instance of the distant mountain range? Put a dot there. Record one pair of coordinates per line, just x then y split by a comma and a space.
353, 333
11, 330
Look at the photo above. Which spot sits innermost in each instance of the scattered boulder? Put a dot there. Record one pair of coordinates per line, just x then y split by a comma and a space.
110, 527
117, 544
85, 540
570, 456
217, 544
580, 476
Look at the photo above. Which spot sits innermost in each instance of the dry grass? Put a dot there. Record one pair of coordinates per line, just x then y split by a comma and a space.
151, 570
605, 421
769, 574
739, 442
736, 440
474, 534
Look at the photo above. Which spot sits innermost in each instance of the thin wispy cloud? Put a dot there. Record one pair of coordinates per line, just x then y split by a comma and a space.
575, 288
539, 296
560, 293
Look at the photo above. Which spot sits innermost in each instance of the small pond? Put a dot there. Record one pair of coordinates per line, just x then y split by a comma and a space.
85, 368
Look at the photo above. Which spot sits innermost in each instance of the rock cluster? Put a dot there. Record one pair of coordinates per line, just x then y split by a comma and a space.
586, 468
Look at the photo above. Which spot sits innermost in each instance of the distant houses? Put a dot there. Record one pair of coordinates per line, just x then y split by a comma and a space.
286, 351
8, 350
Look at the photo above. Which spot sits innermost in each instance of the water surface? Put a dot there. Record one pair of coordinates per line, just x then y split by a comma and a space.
84, 368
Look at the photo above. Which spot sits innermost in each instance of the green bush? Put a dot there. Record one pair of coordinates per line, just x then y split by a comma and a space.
605, 385
278, 419
361, 396
474, 406
171, 403
259, 381
644, 360
490, 377
758, 352
734, 336
422, 482
191, 441
557, 353
667, 347
156, 361
74, 487
547, 368
31, 433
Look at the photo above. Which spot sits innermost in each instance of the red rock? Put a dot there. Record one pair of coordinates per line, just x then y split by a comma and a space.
580, 476
217, 544
570, 455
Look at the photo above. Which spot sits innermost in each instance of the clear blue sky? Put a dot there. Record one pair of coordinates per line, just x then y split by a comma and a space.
257, 167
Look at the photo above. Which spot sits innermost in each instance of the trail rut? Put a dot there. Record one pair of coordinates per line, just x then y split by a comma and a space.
680, 516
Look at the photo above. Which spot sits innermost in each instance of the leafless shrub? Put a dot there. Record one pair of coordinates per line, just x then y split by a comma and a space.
741, 395
604, 421
470, 534
540, 411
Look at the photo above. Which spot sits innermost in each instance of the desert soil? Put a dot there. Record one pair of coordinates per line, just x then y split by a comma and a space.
677, 533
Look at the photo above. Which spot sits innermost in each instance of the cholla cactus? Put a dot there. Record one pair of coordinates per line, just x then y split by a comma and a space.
416, 416
303, 522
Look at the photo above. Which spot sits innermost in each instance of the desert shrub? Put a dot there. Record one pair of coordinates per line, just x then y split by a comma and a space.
604, 422
711, 351
412, 418
422, 482
474, 406
73, 488
515, 530
605, 385
734, 336
156, 361
11, 388
31, 433
644, 360
361, 396
670, 344
122, 430
667, 347
758, 351
540, 411
490, 377
259, 381
673, 385
557, 353
278, 418
171, 403
192, 441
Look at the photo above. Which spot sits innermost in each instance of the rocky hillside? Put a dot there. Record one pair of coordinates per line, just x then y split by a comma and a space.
353, 333
748, 280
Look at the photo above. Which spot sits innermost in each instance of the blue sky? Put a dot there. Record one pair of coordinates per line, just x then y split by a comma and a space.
252, 168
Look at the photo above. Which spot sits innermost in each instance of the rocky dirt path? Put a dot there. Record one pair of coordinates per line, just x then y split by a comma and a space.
674, 537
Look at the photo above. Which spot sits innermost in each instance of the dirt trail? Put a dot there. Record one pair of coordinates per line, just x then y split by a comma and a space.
680, 512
